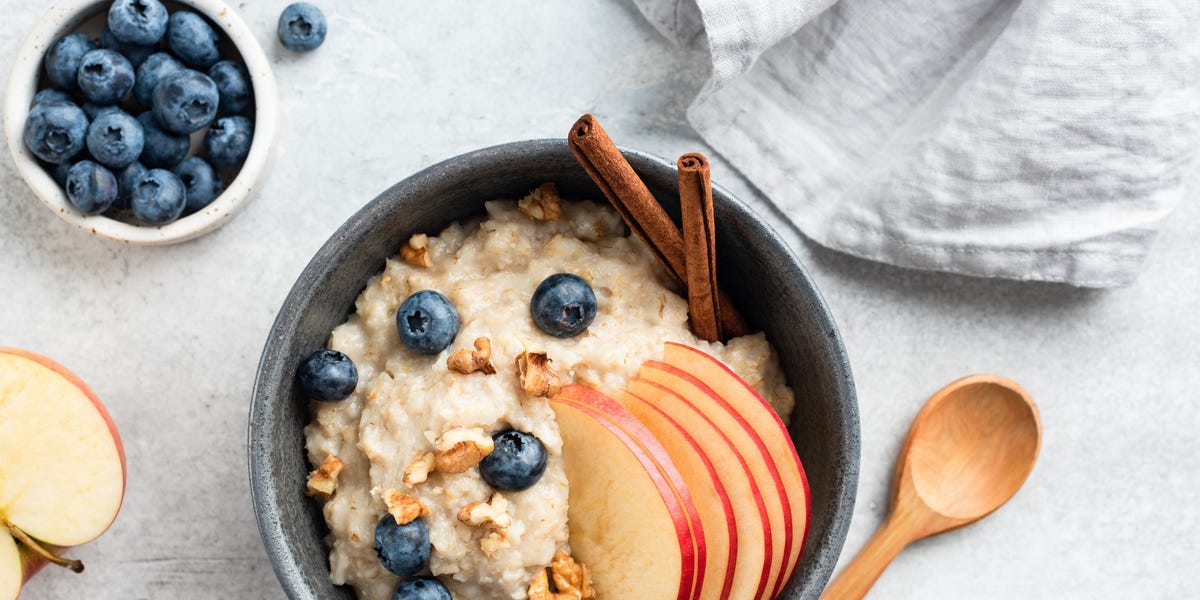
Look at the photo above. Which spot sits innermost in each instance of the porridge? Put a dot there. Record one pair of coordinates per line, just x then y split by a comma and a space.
406, 440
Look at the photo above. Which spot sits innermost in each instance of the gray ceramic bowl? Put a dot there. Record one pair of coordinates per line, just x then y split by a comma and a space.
756, 268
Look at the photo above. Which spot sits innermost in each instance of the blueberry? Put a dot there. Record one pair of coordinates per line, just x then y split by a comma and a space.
421, 588
516, 463
59, 172
51, 95
115, 139
62, 61
95, 110
563, 305
227, 142
185, 101
427, 322
90, 187
327, 375
152, 71
158, 197
136, 53
403, 549
162, 148
126, 179
141, 22
193, 40
233, 86
105, 77
301, 27
202, 183
55, 131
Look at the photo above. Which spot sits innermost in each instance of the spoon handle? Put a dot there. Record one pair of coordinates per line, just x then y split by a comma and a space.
857, 578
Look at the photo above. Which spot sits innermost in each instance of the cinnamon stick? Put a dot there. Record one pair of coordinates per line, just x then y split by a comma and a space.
629, 195
699, 245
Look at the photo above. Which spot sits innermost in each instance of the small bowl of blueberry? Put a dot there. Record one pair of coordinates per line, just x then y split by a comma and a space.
142, 121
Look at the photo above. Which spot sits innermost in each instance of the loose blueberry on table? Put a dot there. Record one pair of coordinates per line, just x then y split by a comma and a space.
427, 322
563, 305
301, 27
517, 461
403, 549
421, 588
327, 375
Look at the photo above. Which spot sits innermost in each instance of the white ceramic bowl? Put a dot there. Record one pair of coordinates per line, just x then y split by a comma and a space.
67, 16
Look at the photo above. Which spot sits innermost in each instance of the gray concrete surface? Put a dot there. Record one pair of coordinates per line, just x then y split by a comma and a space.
169, 337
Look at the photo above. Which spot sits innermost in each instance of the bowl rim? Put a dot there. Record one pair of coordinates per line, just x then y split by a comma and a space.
261, 465
64, 16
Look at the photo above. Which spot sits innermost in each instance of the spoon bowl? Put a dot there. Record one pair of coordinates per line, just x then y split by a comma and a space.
969, 450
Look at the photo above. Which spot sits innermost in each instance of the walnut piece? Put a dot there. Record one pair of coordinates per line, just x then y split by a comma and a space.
493, 542
461, 448
403, 507
571, 581
419, 469
537, 378
469, 361
542, 204
493, 513
324, 480
416, 251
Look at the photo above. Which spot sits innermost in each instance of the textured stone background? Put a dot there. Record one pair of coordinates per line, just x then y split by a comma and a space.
170, 337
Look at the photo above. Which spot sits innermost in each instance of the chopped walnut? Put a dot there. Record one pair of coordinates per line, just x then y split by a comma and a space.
492, 513
571, 581
419, 469
403, 507
469, 361
542, 204
324, 480
537, 378
493, 542
461, 448
416, 251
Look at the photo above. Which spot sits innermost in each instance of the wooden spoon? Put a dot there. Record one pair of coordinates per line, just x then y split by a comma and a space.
969, 450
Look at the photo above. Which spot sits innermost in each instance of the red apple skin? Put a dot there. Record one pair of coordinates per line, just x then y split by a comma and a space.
38, 563
629, 424
32, 563
673, 348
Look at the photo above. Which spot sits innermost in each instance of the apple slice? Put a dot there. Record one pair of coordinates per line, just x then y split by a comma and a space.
719, 378
62, 479
622, 510
740, 463
704, 477
675, 474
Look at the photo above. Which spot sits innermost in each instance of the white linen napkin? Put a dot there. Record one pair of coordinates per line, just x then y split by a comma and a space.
1036, 140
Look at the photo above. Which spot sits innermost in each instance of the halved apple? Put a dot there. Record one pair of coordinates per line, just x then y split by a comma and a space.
704, 478
673, 471
62, 479
696, 370
622, 510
